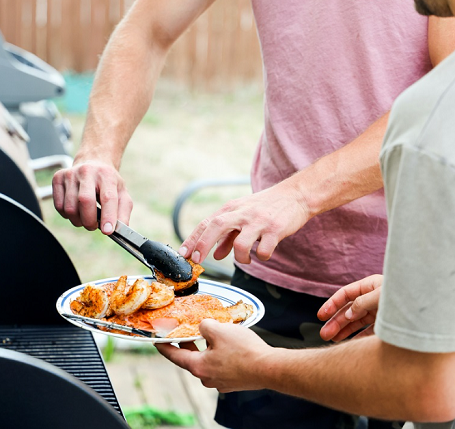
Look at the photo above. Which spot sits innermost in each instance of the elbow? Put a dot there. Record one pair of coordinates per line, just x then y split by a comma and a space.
431, 401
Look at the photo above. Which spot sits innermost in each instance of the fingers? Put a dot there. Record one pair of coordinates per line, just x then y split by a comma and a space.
70, 207
351, 308
266, 247
364, 303
338, 300
225, 245
58, 191
184, 355
188, 247
115, 202
209, 232
230, 232
348, 294
189, 346
125, 207
352, 327
77, 190
335, 325
209, 329
243, 245
180, 356
86, 206
366, 332
242, 242
267, 217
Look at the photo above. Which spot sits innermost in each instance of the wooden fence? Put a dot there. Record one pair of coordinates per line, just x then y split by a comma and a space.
218, 52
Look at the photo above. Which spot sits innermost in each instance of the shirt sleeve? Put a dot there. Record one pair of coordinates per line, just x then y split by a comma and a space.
417, 303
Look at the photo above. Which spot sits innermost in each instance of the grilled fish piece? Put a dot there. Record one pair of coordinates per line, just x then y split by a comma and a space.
182, 317
197, 271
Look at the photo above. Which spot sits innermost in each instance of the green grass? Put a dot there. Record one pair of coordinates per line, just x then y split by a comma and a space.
109, 349
147, 417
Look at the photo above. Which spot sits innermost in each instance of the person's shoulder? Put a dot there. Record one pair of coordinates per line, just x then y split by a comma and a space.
422, 116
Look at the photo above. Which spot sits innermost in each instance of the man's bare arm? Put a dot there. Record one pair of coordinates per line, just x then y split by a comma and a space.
336, 179
362, 377
123, 89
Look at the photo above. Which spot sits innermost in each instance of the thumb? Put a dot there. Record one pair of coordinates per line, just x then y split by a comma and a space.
209, 329
365, 303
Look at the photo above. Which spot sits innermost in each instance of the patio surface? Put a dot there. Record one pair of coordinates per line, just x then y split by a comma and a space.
152, 380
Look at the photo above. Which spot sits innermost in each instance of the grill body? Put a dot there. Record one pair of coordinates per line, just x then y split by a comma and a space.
67, 347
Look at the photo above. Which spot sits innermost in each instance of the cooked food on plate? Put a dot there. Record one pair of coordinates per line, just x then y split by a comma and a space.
92, 302
153, 307
197, 271
126, 299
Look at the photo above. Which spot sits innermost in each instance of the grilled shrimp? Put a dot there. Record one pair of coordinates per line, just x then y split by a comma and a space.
92, 302
126, 299
161, 296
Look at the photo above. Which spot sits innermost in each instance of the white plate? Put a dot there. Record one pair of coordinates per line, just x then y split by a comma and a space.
228, 295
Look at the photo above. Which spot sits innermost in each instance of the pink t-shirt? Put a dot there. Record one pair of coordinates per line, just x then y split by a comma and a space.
331, 68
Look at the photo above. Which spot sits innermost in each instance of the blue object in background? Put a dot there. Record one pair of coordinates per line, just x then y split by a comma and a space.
78, 87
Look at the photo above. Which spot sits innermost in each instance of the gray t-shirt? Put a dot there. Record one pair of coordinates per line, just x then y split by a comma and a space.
417, 303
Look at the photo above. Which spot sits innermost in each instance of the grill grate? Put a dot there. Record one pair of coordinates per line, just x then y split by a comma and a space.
67, 347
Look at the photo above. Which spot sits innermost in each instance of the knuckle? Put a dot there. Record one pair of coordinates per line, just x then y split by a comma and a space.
126, 200
243, 258
57, 178
376, 278
197, 372
67, 175
219, 221
108, 195
242, 245
85, 199
71, 211
129, 203
202, 226
83, 169
206, 383
201, 244
263, 255
229, 206
204, 223
272, 225
358, 303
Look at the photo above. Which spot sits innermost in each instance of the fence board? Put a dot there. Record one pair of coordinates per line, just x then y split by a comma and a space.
219, 51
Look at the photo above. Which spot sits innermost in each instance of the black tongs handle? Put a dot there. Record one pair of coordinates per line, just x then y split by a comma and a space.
153, 254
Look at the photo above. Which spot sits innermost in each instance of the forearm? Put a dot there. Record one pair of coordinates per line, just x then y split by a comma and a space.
344, 175
121, 94
365, 377
129, 69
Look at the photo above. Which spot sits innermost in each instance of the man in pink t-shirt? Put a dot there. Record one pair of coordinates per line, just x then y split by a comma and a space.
316, 220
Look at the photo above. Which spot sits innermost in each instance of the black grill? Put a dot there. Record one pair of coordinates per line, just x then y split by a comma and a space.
67, 347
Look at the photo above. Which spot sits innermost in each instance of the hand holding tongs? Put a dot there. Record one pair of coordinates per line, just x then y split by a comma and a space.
154, 255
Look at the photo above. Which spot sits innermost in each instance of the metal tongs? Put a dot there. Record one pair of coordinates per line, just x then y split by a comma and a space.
154, 255
110, 325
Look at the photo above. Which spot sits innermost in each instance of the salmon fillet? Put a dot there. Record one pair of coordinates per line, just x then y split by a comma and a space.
182, 317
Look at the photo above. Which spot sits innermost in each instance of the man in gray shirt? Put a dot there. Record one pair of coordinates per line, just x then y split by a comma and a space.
407, 370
